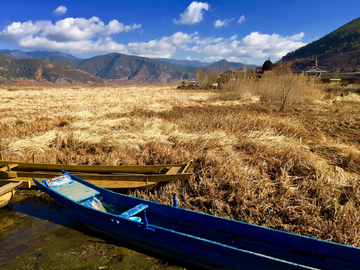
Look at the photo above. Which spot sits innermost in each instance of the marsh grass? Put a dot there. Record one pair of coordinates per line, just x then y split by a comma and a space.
296, 170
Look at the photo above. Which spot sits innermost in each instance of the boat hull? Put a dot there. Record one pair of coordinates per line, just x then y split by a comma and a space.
187, 249
7, 191
5, 198
204, 240
190, 250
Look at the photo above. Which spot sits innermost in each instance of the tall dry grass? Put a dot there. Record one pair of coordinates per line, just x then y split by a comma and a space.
296, 170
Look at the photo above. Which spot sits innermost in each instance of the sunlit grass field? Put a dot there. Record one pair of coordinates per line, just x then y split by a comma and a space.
296, 170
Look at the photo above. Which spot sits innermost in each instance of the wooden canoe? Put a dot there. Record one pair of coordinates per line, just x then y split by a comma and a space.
7, 190
203, 240
112, 177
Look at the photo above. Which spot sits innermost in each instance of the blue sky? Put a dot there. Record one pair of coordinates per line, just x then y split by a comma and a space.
240, 31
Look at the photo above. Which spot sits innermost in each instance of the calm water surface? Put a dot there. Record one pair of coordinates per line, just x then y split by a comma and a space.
38, 233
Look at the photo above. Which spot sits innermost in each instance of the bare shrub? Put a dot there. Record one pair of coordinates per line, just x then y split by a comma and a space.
278, 89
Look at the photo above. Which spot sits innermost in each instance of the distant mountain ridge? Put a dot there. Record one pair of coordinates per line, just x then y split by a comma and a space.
120, 68
194, 63
224, 65
18, 54
338, 49
43, 72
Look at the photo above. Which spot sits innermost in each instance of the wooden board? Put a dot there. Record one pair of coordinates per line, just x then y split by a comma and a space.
21, 166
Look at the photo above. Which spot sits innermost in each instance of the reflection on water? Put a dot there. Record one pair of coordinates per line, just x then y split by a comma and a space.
38, 233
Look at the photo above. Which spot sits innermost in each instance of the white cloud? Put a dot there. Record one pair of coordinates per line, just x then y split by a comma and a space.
193, 13
17, 30
233, 37
60, 10
264, 45
255, 45
241, 19
213, 58
165, 47
220, 23
75, 34
93, 36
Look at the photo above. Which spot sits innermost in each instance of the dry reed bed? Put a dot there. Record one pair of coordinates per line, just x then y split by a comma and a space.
297, 170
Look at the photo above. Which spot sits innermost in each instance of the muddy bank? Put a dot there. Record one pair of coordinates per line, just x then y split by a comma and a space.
36, 232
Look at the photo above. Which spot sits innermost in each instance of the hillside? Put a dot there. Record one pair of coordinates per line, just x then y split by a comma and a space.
42, 72
72, 62
338, 49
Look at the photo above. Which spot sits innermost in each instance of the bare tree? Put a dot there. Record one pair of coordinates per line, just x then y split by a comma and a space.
200, 75
245, 69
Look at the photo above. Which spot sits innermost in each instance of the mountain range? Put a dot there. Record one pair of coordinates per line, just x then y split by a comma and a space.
18, 54
113, 67
121, 68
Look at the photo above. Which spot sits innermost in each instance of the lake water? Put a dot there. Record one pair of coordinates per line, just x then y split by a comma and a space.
36, 232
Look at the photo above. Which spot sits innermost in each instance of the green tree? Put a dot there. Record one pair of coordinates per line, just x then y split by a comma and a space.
268, 65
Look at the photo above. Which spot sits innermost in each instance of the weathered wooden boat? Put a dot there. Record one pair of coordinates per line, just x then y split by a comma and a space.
7, 191
112, 177
200, 239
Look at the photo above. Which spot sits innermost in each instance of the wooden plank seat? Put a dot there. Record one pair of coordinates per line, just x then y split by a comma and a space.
133, 211
76, 191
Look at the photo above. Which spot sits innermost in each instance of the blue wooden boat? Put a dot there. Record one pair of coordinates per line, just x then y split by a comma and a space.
196, 238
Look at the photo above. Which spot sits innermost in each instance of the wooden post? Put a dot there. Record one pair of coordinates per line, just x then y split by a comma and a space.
1, 156
33, 158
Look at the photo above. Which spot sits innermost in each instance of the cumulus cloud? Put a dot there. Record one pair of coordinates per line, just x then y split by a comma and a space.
193, 13
241, 19
75, 34
220, 23
254, 45
17, 31
233, 37
163, 48
60, 10
79, 35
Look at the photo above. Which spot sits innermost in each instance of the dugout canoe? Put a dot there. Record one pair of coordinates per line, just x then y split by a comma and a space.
7, 191
199, 239
106, 176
